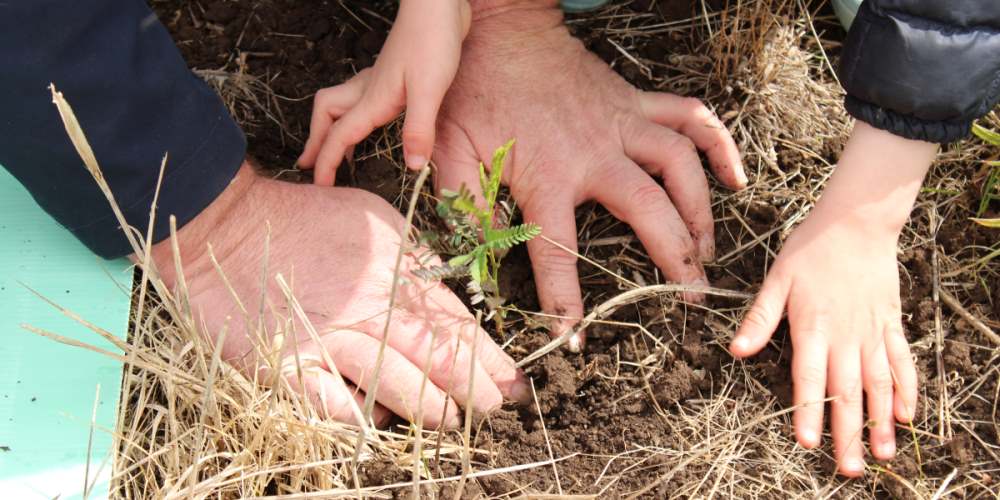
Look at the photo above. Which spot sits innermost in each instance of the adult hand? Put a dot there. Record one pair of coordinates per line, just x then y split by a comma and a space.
412, 72
837, 275
336, 248
582, 133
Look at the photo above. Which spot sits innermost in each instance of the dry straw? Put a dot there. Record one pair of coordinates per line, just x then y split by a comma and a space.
193, 427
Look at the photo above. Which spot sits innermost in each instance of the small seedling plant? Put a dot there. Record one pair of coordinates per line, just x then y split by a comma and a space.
480, 235
991, 188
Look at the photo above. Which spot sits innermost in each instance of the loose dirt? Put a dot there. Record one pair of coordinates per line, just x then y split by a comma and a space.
630, 392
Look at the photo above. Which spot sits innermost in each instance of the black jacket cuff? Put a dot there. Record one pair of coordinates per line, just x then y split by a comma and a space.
907, 126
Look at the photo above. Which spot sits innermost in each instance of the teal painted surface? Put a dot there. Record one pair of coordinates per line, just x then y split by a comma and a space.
581, 5
47, 389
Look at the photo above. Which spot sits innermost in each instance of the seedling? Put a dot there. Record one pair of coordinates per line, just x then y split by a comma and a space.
480, 237
991, 189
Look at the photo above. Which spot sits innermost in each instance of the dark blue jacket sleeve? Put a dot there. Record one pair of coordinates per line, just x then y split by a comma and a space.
136, 101
923, 69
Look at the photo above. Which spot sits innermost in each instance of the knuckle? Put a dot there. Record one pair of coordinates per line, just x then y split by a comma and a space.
444, 360
648, 198
810, 376
417, 132
758, 315
698, 109
683, 145
881, 384
555, 258
323, 95
849, 399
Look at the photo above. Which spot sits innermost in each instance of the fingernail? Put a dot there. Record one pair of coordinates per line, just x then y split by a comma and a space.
741, 176
706, 248
416, 162
809, 438
575, 344
520, 392
853, 466
696, 297
741, 343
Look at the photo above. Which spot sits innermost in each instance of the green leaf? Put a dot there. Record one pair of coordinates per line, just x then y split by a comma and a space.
508, 237
492, 187
989, 191
479, 269
992, 223
460, 260
484, 181
986, 134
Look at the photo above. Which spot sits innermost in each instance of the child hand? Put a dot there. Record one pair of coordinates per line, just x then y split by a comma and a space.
837, 276
413, 71
841, 287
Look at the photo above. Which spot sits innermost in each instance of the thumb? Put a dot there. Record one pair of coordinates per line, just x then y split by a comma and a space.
762, 318
423, 100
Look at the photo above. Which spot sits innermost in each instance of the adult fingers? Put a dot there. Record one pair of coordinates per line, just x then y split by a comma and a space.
673, 158
692, 118
326, 390
436, 305
763, 316
847, 412
423, 101
808, 373
878, 386
351, 129
554, 265
451, 368
399, 381
330, 104
380, 414
636, 199
903, 371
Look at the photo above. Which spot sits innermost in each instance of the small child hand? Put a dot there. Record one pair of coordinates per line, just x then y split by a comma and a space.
413, 72
838, 276
841, 287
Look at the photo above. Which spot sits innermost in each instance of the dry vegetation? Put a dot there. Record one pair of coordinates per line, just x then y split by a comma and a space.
192, 427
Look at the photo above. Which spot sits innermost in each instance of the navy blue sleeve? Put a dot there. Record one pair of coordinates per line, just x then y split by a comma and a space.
136, 100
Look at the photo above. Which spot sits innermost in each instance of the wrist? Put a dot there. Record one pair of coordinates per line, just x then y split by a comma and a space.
876, 181
489, 8
193, 237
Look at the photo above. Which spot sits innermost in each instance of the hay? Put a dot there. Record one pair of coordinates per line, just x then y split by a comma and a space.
192, 427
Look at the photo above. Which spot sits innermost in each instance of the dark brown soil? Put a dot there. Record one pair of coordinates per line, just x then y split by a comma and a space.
589, 404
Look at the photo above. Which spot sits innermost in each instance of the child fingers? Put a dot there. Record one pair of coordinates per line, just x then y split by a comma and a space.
330, 104
904, 372
691, 117
674, 159
351, 129
879, 390
763, 316
847, 409
809, 369
423, 101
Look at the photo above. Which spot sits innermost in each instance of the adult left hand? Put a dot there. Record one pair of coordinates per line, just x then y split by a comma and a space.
583, 133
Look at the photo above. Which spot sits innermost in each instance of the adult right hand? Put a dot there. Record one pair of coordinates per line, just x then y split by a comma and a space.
336, 248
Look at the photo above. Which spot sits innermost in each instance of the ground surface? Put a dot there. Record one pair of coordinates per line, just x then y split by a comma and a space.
656, 405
